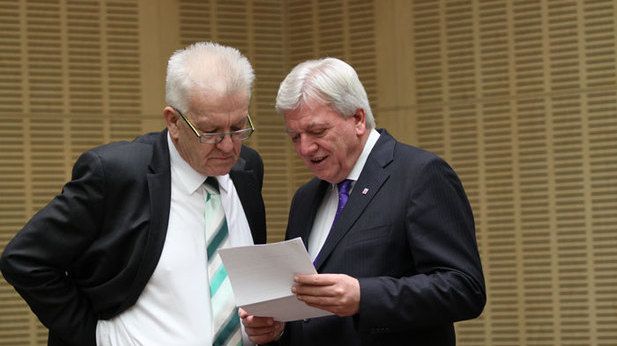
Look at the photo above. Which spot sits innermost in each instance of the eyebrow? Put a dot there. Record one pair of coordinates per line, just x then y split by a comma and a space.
309, 127
238, 123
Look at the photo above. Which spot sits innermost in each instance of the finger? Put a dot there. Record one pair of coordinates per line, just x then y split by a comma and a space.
332, 297
335, 308
266, 336
264, 339
319, 301
316, 279
259, 331
337, 288
257, 322
317, 291
277, 326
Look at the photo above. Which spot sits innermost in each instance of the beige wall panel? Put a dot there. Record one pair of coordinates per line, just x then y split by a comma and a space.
519, 96
70, 79
158, 34
504, 92
393, 50
256, 29
342, 29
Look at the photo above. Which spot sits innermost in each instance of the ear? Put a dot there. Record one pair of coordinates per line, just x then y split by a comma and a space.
171, 119
360, 122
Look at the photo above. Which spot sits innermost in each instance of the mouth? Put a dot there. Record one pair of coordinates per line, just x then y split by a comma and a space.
222, 158
317, 160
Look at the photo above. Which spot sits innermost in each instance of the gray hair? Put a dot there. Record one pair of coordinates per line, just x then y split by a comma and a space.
329, 81
210, 67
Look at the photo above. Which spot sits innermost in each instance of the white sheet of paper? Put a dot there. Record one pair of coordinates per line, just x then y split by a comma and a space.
261, 277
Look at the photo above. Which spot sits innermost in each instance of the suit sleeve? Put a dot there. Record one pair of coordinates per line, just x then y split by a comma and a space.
37, 262
447, 285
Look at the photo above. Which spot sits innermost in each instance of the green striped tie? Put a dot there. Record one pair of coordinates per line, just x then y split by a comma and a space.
226, 323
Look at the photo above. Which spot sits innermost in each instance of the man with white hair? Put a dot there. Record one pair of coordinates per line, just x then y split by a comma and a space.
387, 225
126, 254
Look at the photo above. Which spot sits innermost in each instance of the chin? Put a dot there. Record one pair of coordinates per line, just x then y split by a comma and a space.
222, 170
324, 177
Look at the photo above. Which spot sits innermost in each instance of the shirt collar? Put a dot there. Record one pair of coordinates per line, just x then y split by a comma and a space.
368, 146
190, 179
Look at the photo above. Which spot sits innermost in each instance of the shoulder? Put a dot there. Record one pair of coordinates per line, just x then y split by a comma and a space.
311, 189
250, 160
123, 156
405, 154
409, 160
141, 143
249, 154
419, 155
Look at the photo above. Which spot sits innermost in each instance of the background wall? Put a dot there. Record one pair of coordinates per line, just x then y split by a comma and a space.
519, 96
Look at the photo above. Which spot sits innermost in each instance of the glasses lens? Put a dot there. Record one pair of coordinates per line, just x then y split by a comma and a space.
216, 138
207, 138
241, 135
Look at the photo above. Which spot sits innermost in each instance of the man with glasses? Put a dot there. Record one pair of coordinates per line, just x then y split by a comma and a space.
126, 254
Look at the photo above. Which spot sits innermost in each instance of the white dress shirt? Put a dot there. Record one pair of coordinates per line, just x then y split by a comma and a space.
174, 307
327, 209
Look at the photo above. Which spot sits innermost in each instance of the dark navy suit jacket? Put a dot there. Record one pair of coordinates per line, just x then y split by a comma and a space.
89, 253
407, 234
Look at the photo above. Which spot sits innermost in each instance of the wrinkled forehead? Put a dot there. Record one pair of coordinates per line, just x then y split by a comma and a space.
307, 118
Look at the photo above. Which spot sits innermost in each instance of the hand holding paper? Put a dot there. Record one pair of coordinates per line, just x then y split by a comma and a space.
261, 330
261, 277
337, 293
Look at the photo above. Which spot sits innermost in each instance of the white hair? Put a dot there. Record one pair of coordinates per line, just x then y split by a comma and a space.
206, 67
329, 81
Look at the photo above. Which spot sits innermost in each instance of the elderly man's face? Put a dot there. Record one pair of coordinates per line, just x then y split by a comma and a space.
327, 143
209, 114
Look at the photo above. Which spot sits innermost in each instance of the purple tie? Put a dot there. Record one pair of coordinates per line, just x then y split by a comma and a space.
343, 196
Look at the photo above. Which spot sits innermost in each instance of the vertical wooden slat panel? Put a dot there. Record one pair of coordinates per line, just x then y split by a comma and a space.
85, 59
121, 51
602, 154
519, 96
256, 29
11, 63
302, 32
341, 29
267, 52
44, 59
15, 320
539, 77
70, 76
600, 37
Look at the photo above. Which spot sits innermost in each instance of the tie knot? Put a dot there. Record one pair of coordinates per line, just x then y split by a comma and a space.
213, 183
343, 187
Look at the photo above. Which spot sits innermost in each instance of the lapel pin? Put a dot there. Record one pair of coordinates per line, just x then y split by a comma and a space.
365, 191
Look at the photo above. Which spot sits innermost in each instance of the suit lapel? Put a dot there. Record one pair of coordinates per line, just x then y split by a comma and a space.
159, 186
159, 189
307, 204
373, 176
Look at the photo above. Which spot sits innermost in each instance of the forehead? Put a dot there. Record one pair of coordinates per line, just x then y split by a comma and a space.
305, 118
214, 107
218, 99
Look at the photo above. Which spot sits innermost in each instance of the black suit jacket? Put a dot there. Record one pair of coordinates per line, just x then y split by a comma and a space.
407, 234
89, 253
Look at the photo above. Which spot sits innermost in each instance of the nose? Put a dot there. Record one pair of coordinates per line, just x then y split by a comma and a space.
306, 146
226, 145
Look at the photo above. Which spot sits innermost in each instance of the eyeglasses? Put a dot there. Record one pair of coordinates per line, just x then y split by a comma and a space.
217, 137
